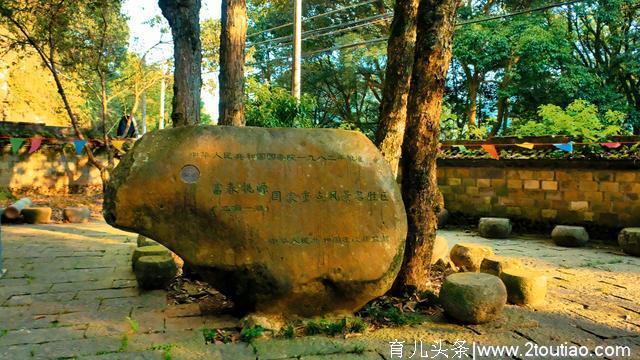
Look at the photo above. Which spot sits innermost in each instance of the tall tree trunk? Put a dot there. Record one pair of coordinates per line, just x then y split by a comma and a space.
472, 108
503, 99
184, 18
232, 47
393, 107
420, 147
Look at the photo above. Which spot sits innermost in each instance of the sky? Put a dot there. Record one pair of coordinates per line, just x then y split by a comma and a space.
143, 36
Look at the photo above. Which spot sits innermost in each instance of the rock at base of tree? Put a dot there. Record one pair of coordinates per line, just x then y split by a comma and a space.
440, 249
145, 241
76, 214
37, 215
629, 241
468, 257
524, 287
570, 236
157, 250
494, 228
495, 265
473, 298
155, 272
443, 216
266, 321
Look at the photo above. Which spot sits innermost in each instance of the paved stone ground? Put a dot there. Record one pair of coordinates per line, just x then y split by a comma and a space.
70, 293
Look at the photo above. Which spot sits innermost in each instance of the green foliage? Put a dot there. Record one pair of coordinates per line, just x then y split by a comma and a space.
249, 333
393, 316
133, 324
332, 328
209, 335
268, 106
289, 331
580, 120
165, 348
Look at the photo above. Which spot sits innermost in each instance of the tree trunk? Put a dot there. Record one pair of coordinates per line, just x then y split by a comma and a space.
420, 147
232, 47
184, 18
393, 107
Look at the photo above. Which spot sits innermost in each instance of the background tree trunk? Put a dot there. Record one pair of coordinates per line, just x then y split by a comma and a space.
232, 47
393, 107
420, 193
184, 18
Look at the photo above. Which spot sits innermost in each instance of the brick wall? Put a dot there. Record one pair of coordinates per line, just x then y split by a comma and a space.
52, 169
557, 193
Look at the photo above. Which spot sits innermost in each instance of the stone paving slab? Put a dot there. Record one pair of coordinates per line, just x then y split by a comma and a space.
70, 292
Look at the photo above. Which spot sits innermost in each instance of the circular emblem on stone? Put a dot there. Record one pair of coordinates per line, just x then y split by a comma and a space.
190, 174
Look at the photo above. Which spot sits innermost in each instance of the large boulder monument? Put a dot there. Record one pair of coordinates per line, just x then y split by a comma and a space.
283, 221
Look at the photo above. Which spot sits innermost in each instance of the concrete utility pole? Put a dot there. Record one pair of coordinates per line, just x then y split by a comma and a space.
297, 49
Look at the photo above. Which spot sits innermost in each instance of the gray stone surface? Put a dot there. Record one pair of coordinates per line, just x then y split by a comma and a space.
473, 298
494, 228
570, 236
629, 241
590, 291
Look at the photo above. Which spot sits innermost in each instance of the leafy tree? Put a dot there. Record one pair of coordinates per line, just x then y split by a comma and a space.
580, 120
67, 36
268, 106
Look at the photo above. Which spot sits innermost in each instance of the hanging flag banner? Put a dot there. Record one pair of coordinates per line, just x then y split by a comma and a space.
118, 144
568, 147
611, 145
79, 144
526, 145
491, 149
35, 144
16, 143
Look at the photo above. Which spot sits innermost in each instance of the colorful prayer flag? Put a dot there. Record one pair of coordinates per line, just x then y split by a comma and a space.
611, 145
491, 149
35, 144
79, 144
526, 145
16, 143
568, 147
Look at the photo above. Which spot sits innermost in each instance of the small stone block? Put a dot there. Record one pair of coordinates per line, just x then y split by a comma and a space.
524, 287
473, 298
494, 228
570, 236
629, 241
145, 241
155, 272
469, 257
37, 215
495, 265
76, 214
157, 250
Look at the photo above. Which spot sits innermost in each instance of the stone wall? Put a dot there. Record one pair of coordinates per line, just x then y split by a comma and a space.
553, 192
52, 169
